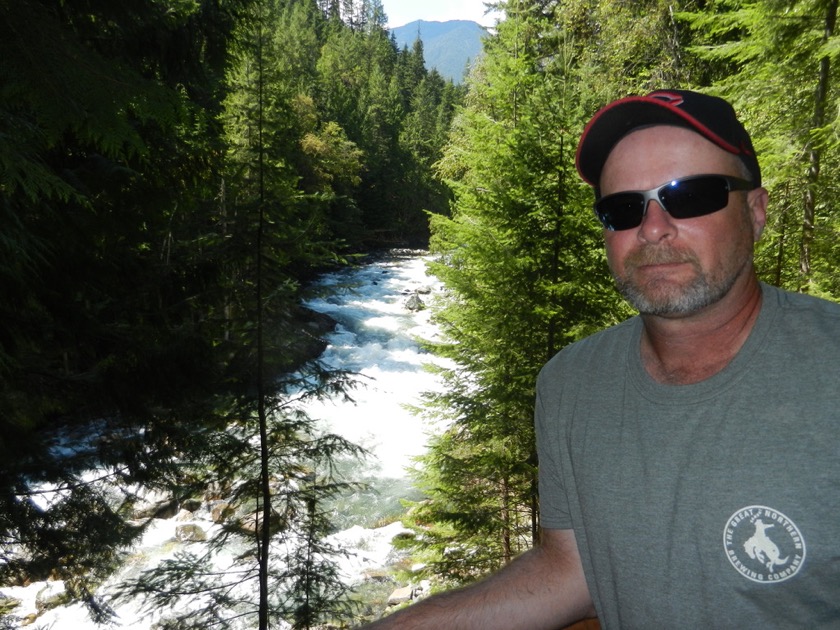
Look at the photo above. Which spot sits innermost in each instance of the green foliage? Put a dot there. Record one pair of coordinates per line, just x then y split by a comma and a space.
216, 581
779, 58
145, 148
397, 115
521, 260
171, 173
520, 254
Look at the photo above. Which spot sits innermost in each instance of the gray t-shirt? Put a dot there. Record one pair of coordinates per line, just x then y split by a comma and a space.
712, 505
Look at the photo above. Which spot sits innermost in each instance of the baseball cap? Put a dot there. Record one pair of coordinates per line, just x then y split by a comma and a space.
710, 116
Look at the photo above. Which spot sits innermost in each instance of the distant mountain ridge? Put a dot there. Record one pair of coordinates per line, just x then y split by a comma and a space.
447, 46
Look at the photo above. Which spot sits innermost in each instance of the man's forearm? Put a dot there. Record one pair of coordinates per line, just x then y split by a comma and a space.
543, 588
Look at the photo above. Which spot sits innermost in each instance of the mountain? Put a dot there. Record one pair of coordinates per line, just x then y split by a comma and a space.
447, 46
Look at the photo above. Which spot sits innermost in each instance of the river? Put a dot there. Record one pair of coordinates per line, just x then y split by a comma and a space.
377, 338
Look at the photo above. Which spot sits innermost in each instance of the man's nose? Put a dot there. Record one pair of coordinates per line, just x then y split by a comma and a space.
656, 224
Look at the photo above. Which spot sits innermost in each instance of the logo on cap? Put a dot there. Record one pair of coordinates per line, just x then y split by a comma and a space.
669, 97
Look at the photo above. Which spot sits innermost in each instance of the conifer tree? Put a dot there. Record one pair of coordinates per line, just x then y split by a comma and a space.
131, 330
269, 447
522, 263
107, 150
777, 67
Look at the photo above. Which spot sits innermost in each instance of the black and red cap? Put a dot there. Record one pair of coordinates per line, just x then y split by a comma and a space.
710, 116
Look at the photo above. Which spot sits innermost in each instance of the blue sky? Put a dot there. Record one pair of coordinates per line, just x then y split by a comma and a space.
402, 12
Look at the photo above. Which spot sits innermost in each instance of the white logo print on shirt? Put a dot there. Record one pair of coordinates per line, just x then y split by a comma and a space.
763, 544
760, 547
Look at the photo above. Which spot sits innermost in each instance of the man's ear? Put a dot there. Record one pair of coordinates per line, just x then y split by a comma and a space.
757, 203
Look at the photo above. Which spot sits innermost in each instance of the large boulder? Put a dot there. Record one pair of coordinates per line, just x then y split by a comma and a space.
221, 511
401, 596
52, 595
414, 303
190, 532
155, 505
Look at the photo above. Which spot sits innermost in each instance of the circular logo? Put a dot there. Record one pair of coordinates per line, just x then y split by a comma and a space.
763, 544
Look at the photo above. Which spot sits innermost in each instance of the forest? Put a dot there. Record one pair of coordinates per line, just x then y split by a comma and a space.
173, 175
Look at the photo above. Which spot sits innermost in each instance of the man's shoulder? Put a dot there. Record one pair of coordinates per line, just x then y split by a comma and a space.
803, 311
803, 327
598, 349
791, 301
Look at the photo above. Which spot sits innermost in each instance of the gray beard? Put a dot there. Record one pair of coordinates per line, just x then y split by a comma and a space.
690, 299
704, 290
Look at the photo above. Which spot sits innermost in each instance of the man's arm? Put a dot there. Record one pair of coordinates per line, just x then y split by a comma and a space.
543, 588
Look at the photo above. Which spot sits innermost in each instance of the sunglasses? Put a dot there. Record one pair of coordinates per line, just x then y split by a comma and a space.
684, 198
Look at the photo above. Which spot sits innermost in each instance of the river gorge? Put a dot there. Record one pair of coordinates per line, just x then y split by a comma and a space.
380, 315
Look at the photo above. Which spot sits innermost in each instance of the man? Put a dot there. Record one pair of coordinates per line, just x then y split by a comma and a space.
689, 457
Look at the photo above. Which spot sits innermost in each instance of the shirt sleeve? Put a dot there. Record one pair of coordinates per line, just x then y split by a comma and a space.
554, 505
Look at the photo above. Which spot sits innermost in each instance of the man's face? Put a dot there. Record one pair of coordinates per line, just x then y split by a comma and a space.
675, 267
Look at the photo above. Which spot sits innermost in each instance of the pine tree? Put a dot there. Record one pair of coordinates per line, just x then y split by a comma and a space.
523, 265
775, 63
106, 153
268, 447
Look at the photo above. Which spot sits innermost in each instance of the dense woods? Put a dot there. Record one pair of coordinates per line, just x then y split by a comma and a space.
521, 255
172, 173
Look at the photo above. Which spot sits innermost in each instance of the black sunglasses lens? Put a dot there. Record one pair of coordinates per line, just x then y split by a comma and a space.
684, 199
621, 211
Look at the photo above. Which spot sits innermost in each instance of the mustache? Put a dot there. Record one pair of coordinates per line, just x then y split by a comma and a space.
658, 255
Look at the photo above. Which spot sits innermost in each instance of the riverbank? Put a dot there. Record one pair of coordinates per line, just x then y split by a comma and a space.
373, 333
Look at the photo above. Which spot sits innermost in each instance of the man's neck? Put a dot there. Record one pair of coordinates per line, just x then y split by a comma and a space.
690, 349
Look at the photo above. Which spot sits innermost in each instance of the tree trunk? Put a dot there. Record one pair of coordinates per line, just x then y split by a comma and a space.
506, 522
814, 154
264, 532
